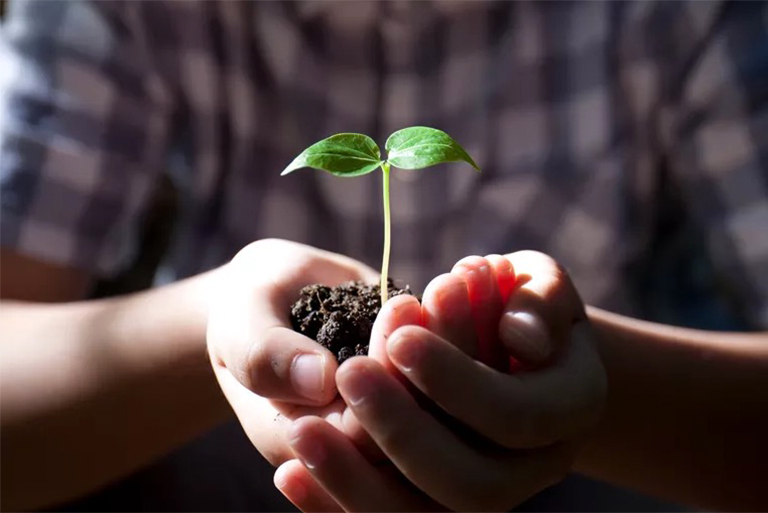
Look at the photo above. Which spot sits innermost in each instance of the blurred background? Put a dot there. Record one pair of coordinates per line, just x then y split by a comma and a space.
674, 285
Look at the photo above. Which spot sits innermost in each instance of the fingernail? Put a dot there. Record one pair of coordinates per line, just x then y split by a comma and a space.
292, 489
525, 335
479, 282
311, 452
467, 272
453, 300
406, 355
358, 387
404, 313
307, 376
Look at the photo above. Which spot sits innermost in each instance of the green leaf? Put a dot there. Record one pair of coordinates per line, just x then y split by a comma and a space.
420, 146
341, 155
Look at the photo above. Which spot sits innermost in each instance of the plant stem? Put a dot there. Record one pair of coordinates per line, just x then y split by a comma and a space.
387, 237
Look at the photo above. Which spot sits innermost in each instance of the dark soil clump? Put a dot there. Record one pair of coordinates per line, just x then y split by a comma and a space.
340, 318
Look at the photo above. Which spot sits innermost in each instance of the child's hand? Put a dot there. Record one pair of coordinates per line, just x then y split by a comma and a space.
519, 314
270, 374
522, 423
522, 305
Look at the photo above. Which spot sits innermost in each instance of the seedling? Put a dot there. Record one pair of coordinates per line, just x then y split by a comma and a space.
350, 155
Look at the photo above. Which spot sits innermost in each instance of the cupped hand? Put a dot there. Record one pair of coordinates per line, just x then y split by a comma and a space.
270, 374
505, 350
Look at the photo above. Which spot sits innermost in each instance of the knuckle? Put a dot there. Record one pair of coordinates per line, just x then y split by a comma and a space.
433, 353
498, 261
410, 333
471, 262
255, 247
554, 299
533, 256
543, 262
274, 243
270, 248
443, 280
258, 365
559, 270
304, 265
558, 286
395, 439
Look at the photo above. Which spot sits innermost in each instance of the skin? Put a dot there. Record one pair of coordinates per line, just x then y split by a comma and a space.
134, 358
684, 420
686, 414
514, 439
157, 360
94, 390
401, 472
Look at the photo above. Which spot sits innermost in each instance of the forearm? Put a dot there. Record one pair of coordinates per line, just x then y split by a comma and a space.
687, 413
94, 390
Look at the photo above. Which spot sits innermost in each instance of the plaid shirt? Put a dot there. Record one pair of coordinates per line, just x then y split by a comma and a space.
579, 115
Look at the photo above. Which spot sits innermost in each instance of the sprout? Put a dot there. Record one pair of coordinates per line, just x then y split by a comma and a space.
357, 154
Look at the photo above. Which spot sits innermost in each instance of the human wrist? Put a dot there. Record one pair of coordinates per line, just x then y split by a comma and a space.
161, 328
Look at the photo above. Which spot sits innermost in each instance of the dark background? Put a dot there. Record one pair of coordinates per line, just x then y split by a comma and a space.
675, 285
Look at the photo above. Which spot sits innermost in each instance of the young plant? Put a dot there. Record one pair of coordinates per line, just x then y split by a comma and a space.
349, 155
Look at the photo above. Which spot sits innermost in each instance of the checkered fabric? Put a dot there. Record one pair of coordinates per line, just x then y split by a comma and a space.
578, 114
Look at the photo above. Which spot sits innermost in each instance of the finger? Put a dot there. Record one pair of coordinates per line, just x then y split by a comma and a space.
403, 310
357, 434
266, 421
526, 410
297, 484
346, 476
290, 266
485, 301
252, 337
255, 346
505, 275
529, 474
398, 311
426, 452
447, 312
541, 310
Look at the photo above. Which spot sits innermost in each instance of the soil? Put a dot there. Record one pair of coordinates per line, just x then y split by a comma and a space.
340, 318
